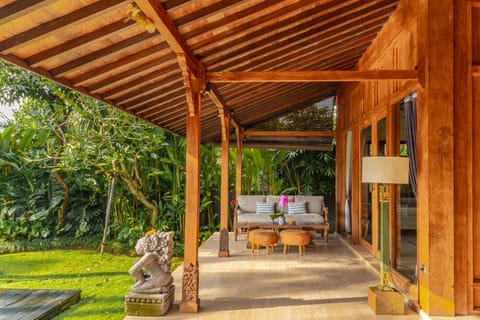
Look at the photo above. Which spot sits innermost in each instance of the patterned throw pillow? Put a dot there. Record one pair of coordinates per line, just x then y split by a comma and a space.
265, 207
297, 207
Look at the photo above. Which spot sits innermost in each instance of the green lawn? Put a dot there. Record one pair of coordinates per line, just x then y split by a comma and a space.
104, 280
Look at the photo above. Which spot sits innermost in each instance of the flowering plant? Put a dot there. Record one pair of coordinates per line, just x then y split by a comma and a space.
232, 203
283, 202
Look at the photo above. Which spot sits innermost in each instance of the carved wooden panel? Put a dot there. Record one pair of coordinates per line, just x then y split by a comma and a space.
190, 284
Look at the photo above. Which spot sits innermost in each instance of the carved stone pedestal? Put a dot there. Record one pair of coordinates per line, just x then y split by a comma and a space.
149, 304
385, 302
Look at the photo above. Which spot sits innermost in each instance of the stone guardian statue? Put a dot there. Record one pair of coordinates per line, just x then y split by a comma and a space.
153, 291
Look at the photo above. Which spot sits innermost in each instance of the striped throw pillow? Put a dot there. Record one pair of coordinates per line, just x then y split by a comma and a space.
265, 207
297, 207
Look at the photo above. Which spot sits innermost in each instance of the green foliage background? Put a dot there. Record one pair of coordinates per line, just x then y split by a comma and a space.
59, 153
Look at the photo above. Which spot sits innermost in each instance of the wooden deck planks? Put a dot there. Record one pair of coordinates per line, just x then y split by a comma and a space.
38, 304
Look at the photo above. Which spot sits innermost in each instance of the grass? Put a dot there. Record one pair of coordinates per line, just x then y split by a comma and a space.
104, 280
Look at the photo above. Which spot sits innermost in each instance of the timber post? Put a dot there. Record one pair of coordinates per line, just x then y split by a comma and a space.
190, 283
223, 245
435, 150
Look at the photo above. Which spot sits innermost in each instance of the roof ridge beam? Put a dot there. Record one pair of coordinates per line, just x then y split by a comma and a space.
311, 76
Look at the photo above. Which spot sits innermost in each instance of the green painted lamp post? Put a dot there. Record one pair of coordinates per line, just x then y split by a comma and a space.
385, 170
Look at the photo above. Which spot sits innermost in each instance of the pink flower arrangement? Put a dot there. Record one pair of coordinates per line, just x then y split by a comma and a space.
283, 201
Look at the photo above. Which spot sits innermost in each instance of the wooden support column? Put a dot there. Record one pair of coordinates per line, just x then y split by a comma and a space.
224, 214
356, 220
239, 133
193, 72
435, 154
190, 283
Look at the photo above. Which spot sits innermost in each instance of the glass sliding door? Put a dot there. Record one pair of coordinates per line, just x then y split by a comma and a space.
381, 151
406, 214
366, 190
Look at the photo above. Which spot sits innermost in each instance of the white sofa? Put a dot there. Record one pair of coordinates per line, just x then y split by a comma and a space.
246, 215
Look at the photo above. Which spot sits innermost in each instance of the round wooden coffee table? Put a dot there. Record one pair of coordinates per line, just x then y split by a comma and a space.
294, 237
262, 237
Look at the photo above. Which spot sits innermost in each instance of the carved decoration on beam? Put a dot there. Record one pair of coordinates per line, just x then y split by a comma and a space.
221, 106
311, 76
194, 83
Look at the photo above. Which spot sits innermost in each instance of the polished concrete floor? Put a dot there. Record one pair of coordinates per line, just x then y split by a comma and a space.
328, 283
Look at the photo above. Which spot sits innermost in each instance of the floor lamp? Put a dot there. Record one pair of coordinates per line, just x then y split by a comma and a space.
384, 299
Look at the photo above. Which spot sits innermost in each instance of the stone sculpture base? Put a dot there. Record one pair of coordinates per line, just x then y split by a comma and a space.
149, 304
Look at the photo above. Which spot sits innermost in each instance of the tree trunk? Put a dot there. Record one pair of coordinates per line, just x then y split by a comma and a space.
63, 207
138, 194
111, 188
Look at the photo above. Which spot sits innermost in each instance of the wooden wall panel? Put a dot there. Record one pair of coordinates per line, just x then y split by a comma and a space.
476, 35
475, 217
463, 169
393, 48
385, 88
476, 175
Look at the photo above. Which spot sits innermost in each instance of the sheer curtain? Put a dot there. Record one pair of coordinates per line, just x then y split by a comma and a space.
411, 128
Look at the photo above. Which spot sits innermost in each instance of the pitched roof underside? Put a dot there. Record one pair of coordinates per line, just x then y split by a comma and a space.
89, 46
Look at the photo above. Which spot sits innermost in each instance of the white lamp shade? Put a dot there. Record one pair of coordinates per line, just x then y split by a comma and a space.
385, 170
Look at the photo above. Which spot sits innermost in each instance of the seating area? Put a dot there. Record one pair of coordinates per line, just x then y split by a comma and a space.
302, 212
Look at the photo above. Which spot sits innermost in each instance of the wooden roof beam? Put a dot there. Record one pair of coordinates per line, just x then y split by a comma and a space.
310, 76
92, 57
46, 29
90, 37
192, 69
103, 70
256, 133
17, 9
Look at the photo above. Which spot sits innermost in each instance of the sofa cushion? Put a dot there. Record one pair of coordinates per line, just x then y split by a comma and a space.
265, 207
254, 219
315, 204
249, 203
306, 218
297, 207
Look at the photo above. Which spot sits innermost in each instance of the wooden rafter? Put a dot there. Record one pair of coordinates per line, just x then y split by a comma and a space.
85, 39
105, 52
148, 71
17, 9
56, 25
124, 62
192, 69
326, 23
310, 76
